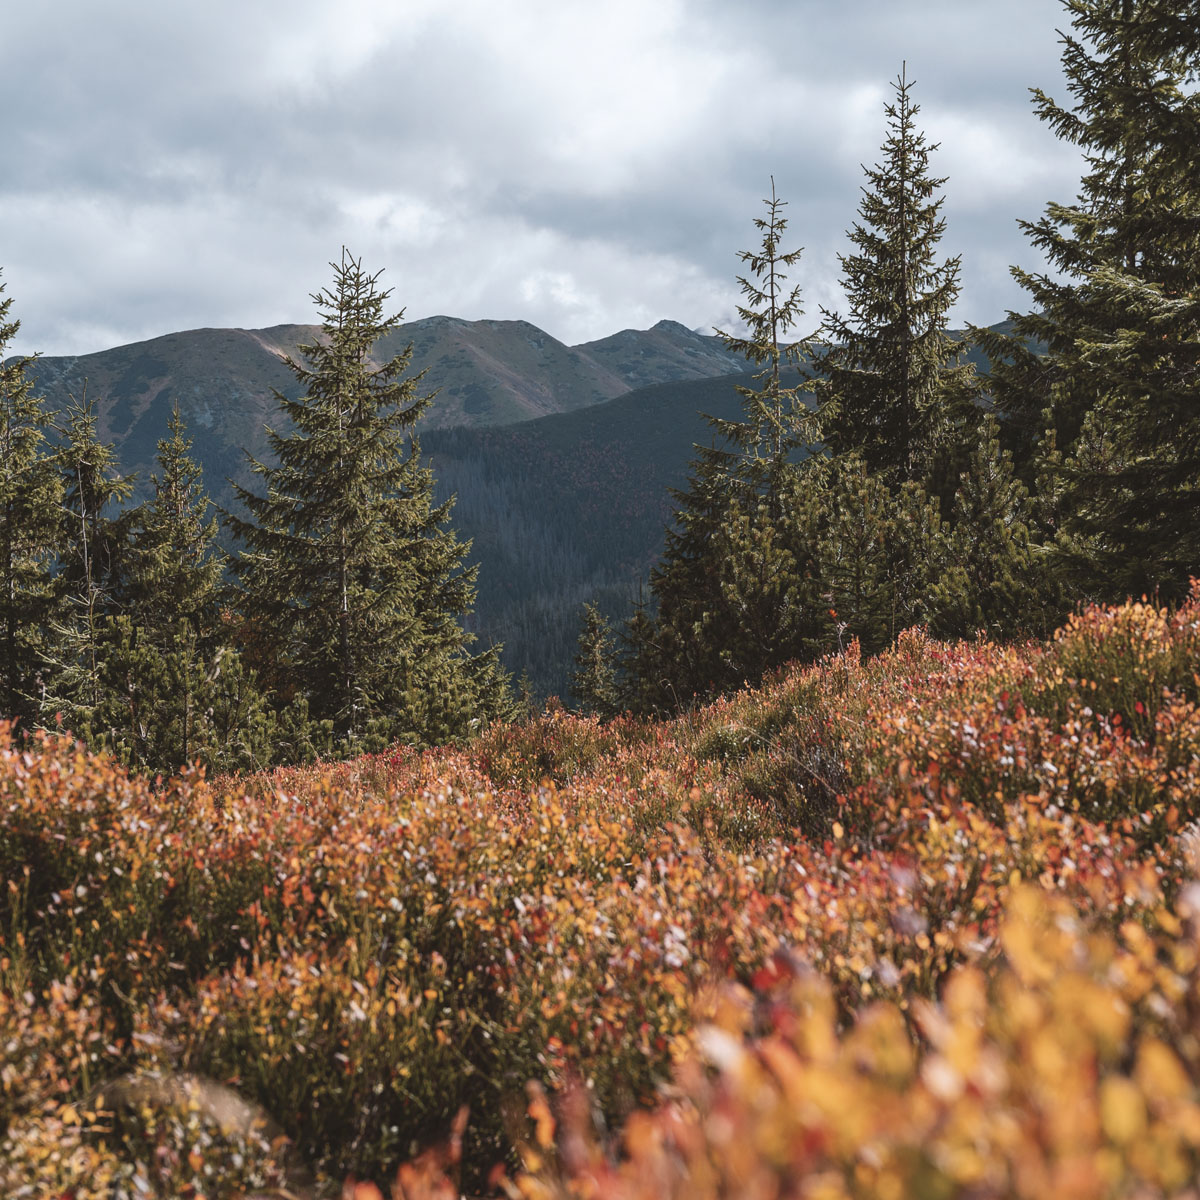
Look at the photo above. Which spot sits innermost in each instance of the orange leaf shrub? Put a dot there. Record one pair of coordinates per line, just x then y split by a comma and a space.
1071, 1071
361, 949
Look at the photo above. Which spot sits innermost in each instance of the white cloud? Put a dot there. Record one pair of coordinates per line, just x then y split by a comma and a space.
585, 167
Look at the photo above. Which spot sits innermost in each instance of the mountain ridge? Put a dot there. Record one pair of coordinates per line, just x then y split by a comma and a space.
486, 372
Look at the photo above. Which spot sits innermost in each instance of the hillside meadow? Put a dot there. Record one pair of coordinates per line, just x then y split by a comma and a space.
924, 924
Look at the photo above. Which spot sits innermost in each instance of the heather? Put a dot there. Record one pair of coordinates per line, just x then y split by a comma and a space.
911, 924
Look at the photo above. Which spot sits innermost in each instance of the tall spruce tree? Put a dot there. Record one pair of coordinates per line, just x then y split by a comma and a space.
1119, 310
716, 590
351, 582
774, 416
173, 569
890, 387
30, 504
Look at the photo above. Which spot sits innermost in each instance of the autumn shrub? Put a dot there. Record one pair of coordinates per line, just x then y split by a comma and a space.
1071, 1070
54, 1047
1124, 663
360, 949
557, 747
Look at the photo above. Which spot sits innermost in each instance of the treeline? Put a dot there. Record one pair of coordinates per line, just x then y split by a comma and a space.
337, 627
967, 502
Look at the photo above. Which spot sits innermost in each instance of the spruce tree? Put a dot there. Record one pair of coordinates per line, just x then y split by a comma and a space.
1118, 312
881, 549
594, 680
30, 504
766, 562
92, 541
996, 577
890, 387
774, 416
350, 579
707, 603
176, 690
174, 568
675, 640
524, 700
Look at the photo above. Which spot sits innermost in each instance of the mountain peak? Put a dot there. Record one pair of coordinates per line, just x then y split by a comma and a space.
675, 329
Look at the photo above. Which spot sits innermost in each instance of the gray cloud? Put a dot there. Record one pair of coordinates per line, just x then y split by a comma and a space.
585, 167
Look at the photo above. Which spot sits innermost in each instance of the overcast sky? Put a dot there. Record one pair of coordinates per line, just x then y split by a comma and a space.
586, 165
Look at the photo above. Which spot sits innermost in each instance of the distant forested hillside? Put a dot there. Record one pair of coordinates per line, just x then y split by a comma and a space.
571, 508
562, 509
574, 507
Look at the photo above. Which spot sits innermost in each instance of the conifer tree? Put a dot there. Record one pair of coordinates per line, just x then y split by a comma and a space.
176, 690
594, 680
30, 503
174, 568
674, 642
92, 541
774, 416
996, 578
524, 699
1119, 310
349, 574
706, 598
881, 548
767, 565
890, 386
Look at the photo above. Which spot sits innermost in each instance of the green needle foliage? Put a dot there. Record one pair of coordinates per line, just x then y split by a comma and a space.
176, 690
881, 547
1119, 310
774, 415
892, 388
30, 502
594, 681
718, 587
88, 581
174, 567
996, 578
353, 588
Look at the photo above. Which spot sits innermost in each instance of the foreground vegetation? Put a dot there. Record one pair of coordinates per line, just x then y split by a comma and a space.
914, 924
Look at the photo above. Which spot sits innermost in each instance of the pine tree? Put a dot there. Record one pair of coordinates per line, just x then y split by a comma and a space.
92, 540
774, 416
996, 577
525, 700
881, 549
30, 502
174, 567
1119, 310
767, 570
594, 680
349, 576
640, 661
889, 386
701, 638
170, 675
674, 652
